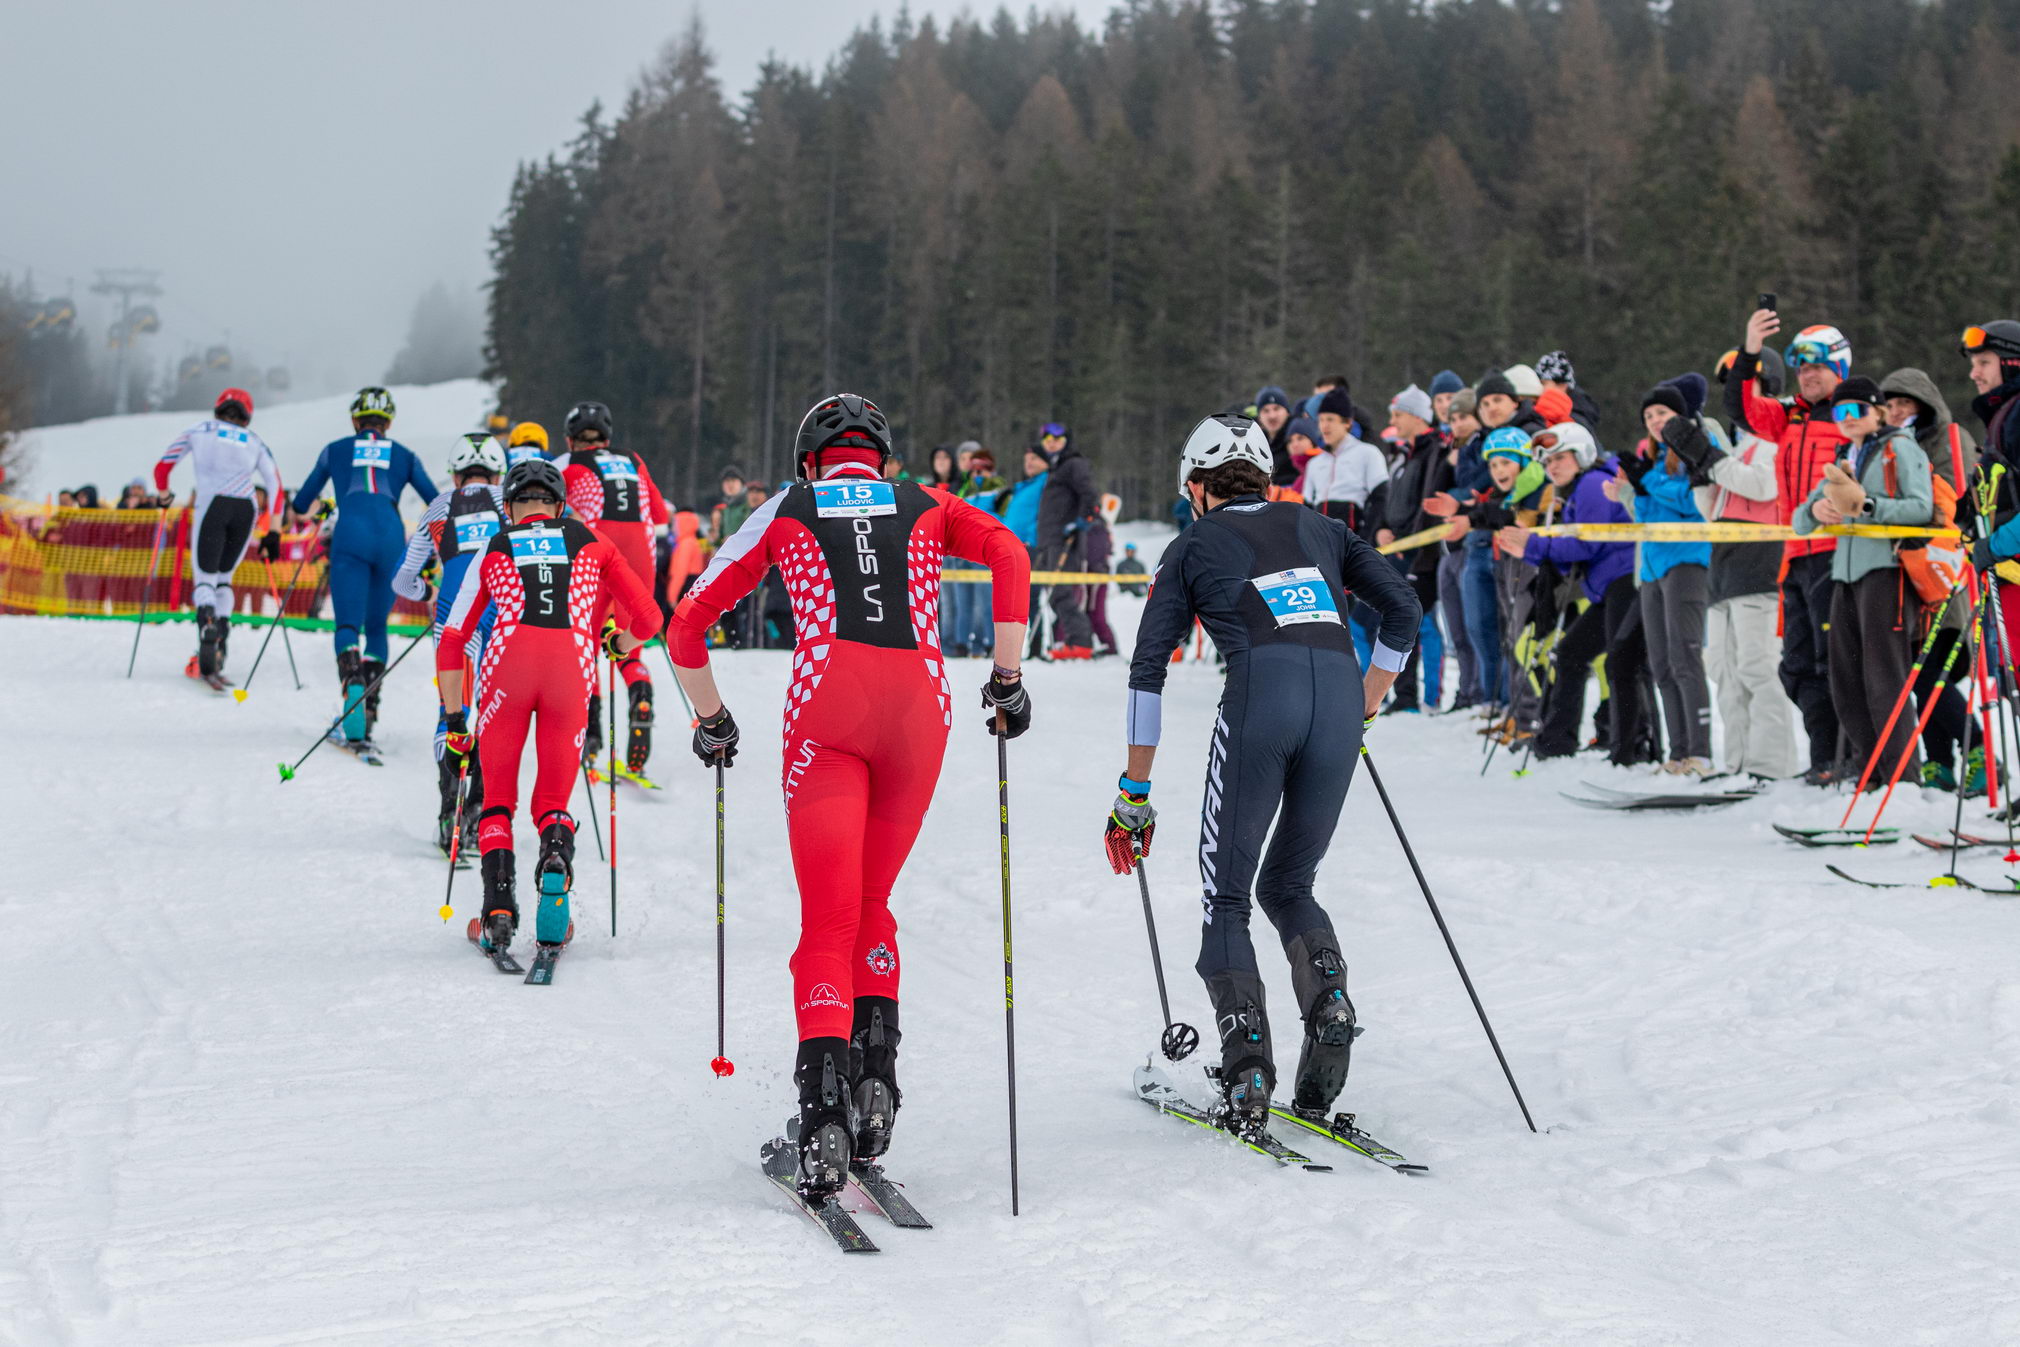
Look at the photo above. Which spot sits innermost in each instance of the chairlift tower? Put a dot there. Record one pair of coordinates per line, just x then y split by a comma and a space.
128, 283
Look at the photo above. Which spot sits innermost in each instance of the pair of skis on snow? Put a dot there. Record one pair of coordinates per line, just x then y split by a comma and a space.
1856, 837
779, 1159
1155, 1087
1605, 797
545, 956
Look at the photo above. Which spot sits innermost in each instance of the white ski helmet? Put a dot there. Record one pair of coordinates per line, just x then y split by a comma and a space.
478, 450
1566, 437
1224, 439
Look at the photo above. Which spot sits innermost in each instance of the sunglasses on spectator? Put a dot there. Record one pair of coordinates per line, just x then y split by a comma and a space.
1849, 411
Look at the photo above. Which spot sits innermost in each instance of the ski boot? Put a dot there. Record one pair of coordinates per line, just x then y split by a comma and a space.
1320, 977
639, 747
209, 659
557, 877
827, 1122
873, 1066
492, 932
592, 734
356, 730
370, 671
1247, 1073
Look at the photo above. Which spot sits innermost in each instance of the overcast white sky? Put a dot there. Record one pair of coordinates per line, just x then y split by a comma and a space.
300, 173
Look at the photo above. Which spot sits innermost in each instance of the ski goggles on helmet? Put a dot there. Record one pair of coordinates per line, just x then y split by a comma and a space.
1052, 430
1802, 353
1547, 442
1974, 339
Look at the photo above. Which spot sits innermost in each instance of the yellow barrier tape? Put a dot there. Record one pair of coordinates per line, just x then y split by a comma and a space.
1728, 531
1048, 577
1430, 535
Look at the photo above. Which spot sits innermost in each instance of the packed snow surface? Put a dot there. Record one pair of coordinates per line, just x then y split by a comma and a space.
256, 1091
113, 450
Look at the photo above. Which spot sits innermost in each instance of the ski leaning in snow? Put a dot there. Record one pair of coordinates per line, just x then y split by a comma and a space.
1964, 842
780, 1160
1340, 1127
1839, 837
1939, 882
1156, 1089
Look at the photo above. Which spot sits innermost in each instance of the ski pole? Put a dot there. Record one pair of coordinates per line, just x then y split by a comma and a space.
147, 588
589, 789
1009, 980
612, 784
1873, 759
1179, 1040
456, 837
1908, 749
279, 620
1439, 917
287, 772
722, 1065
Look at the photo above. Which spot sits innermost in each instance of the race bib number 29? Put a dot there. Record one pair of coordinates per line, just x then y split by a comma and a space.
1298, 596
850, 499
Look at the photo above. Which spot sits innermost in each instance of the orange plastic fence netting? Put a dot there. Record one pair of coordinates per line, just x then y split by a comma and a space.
68, 562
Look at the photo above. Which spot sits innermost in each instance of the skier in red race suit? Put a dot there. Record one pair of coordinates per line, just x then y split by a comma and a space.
866, 721
612, 490
551, 579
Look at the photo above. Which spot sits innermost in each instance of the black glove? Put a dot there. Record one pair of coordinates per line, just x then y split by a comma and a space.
1012, 700
1636, 467
1981, 555
715, 737
270, 545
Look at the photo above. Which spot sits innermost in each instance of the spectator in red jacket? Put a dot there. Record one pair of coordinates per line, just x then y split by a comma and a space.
1808, 442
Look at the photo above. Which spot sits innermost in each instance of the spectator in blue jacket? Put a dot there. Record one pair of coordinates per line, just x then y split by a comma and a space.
1605, 573
1018, 507
1675, 577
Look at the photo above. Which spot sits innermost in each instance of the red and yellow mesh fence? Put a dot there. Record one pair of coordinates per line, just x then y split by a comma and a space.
69, 562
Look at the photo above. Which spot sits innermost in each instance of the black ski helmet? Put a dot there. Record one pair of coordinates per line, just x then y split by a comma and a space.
588, 416
2001, 336
534, 474
835, 418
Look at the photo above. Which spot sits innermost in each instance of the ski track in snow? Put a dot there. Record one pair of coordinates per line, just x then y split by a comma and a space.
254, 1091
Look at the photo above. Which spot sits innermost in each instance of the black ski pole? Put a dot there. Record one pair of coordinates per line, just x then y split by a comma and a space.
1009, 980
456, 837
1439, 917
147, 589
612, 784
287, 772
279, 620
1179, 1040
722, 1066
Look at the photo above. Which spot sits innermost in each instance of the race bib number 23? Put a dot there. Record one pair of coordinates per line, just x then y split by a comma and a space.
1298, 596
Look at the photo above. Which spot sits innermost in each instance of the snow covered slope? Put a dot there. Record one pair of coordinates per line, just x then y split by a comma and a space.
113, 450
253, 1090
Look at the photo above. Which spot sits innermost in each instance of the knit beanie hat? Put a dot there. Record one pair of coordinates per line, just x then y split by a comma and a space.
1445, 381
1414, 401
1465, 402
1666, 395
1305, 426
1858, 388
1496, 382
1272, 395
1338, 403
1555, 367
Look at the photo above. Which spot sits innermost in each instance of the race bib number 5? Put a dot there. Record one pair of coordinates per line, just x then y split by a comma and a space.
1298, 596
850, 499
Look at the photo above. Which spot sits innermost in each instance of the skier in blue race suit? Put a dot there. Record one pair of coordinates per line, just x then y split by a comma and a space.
367, 471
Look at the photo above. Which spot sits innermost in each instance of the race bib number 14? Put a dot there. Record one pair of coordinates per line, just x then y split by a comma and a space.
1298, 596
851, 499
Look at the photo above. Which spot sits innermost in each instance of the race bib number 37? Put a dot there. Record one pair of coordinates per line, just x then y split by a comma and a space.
1298, 596
850, 499
539, 547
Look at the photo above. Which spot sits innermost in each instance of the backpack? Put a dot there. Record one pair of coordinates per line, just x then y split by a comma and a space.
1934, 567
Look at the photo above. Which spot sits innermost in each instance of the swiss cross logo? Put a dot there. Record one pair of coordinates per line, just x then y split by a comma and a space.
881, 960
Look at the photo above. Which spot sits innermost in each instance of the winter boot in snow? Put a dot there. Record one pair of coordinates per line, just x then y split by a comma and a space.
1247, 1072
873, 1066
501, 904
1320, 977
640, 746
827, 1121
348, 666
557, 877
592, 734
208, 659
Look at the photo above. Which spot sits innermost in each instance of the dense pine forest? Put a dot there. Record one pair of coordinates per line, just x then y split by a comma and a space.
993, 223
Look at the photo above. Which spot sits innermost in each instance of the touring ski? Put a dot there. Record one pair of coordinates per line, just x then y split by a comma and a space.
780, 1160
1838, 837
1340, 1127
2012, 887
1154, 1088
638, 779
545, 956
364, 750
882, 1193
1609, 798
500, 956
1965, 842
